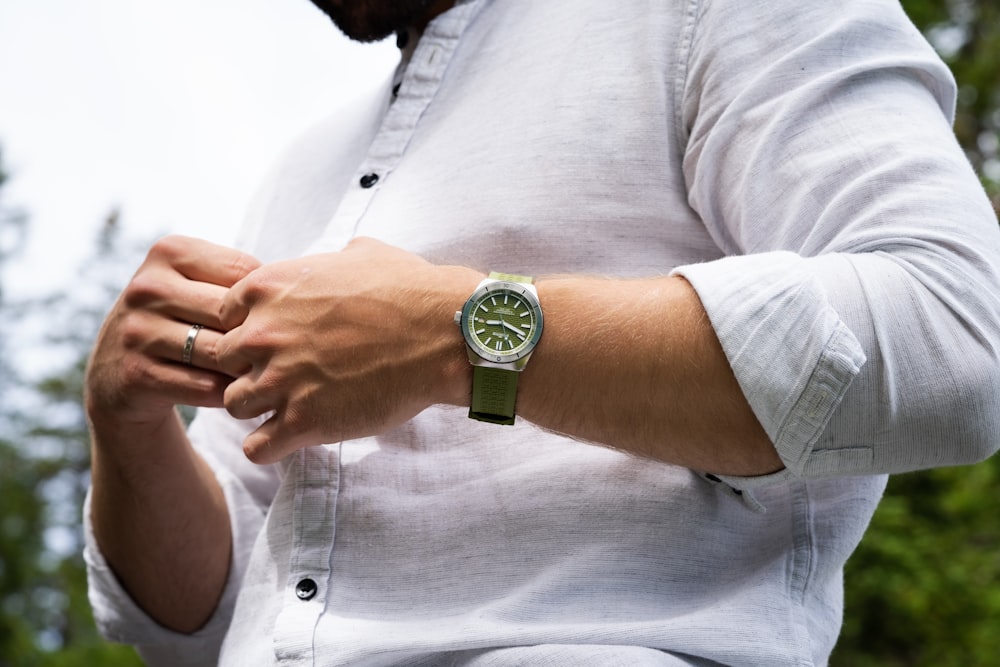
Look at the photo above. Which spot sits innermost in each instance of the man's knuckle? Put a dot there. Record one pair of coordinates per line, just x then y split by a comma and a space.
208, 348
257, 341
295, 420
142, 291
168, 248
243, 264
232, 401
257, 285
255, 450
132, 334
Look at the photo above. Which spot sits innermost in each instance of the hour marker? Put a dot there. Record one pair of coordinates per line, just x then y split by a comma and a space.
505, 297
493, 299
499, 343
484, 308
488, 341
524, 314
526, 325
480, 331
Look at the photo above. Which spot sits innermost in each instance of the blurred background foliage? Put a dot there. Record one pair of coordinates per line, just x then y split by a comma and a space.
45, 618
922, 589
967, 35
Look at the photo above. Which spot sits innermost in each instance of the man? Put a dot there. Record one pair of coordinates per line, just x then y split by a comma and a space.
765, 277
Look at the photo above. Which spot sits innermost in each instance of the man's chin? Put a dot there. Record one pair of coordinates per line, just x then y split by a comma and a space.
366, 38
373, 20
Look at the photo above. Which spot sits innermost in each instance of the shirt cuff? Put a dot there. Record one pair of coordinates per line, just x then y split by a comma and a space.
792, 354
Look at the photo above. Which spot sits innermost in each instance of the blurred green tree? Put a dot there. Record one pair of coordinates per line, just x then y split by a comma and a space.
924, 586
45, 618
967, 35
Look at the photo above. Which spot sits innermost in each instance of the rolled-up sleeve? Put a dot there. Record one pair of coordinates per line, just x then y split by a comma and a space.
248, 490
858, 302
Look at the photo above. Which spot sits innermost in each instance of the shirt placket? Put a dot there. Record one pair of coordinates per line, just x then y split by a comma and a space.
316, 469
316, 472
423, 73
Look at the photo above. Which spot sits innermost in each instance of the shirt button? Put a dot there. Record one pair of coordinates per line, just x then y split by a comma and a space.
306, 589
369, 180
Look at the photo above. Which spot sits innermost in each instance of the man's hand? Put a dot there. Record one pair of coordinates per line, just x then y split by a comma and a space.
158, 513
136, 374
342, 345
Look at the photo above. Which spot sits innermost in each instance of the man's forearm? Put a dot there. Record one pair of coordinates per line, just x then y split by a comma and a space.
160, 519
630, 364
635, 364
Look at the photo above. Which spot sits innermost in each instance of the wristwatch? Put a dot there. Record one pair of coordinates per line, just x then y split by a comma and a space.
501, 323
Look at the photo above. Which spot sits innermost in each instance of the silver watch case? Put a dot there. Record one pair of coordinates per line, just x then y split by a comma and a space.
517, 359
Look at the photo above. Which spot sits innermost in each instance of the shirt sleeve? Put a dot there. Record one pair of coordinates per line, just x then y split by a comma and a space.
857, 303
248, 489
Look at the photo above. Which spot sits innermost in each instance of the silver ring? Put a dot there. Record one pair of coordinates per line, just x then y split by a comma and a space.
189, 343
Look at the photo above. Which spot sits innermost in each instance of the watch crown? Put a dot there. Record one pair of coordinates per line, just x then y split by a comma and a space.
458, 318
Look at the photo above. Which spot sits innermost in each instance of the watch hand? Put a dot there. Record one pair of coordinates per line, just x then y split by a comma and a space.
517, 331
493, 322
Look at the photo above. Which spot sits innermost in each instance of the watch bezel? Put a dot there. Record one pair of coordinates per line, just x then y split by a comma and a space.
517, 358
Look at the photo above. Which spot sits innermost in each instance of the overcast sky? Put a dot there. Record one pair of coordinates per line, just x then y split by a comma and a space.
170, 111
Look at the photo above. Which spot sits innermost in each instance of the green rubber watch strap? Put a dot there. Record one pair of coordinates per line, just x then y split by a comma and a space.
493, 394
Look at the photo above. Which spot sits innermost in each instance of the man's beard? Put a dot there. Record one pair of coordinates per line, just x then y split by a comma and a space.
372, 20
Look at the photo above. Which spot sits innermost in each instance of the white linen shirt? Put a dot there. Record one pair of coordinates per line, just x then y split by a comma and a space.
794, 161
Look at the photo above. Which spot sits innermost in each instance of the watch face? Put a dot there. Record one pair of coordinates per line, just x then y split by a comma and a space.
502, 321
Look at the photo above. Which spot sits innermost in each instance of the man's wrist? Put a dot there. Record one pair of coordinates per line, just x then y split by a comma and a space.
454, 370
133, 438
